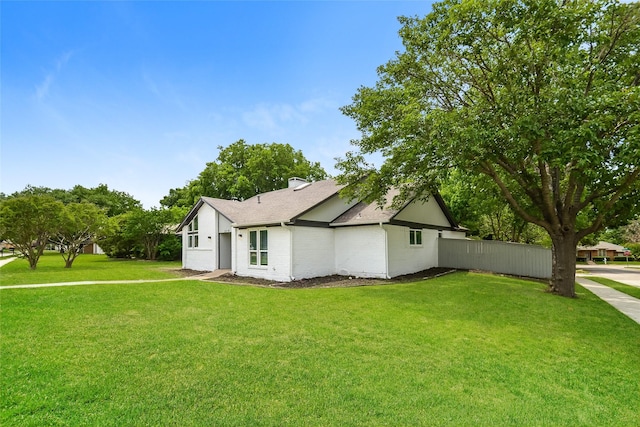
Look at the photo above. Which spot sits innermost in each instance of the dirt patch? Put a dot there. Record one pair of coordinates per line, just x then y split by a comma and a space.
334, 281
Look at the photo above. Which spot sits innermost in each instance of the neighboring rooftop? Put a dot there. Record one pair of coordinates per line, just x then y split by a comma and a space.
603, 245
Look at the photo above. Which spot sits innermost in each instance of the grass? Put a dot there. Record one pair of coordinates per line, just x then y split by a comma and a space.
463, 349
86, 267
627, 289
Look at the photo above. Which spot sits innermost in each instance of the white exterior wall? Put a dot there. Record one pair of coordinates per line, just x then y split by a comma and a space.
313, 252
329, 210
406, 259
361, 251
279, 247
204, 257
224, 225
428, 212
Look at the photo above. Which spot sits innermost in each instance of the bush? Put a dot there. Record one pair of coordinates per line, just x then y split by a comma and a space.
624, 258
600, 258
170, 249
581, 259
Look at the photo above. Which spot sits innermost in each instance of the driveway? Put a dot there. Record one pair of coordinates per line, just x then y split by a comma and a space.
619, 273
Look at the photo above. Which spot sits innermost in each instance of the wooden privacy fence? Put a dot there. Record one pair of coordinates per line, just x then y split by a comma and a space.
499, 257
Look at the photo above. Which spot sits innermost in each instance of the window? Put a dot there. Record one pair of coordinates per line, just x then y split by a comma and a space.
192, 233
602, 252
258, 247
415, 237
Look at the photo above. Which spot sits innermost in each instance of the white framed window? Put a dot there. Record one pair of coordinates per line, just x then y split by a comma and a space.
258, 247
415, 237
192, 233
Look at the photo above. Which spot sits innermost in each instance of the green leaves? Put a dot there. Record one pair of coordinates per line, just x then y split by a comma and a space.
510, 89
28, 222
540, 96
242, 171
79, 224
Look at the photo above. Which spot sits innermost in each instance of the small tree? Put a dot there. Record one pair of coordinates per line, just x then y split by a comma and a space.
79, 224
28, 222
112, 202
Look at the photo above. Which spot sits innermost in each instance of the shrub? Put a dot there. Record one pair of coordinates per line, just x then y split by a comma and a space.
170, 249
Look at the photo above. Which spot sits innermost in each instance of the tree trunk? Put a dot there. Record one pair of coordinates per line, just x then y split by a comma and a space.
33, 256
563, 279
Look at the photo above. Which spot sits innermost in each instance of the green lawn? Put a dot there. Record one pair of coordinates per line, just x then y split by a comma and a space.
463, 349
627, 289
86, 267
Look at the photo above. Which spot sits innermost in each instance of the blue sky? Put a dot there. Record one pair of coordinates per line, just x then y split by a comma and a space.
139, 95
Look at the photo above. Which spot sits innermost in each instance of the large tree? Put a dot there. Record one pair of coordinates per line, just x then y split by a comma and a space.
28, 222
242, 171
541, 96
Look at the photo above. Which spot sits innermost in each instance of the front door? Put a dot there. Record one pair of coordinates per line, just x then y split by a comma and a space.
224, 251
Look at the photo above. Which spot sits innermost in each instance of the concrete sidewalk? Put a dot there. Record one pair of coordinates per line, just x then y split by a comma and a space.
624, 303
620, 273
95, 282
7, 260
204, 276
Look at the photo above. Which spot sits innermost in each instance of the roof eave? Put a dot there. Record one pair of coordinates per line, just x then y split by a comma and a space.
192, 213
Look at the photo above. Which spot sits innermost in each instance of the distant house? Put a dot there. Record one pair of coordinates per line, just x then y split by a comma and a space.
6, 247
602, 249
91, 247
307, 231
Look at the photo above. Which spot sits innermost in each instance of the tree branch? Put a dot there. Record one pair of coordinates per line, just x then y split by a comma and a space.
597, 223
490, 171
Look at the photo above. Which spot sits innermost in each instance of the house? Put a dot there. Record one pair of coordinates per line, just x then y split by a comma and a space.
7, 247
307, 230
602, 249
92, 248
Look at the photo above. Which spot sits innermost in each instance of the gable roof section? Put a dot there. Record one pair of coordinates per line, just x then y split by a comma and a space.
289, 204
370, 213
228, 209
271, 208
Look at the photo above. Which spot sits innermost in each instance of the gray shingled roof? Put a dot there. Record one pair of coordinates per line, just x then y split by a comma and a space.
270, 208
228, 208
283, 205
286, 205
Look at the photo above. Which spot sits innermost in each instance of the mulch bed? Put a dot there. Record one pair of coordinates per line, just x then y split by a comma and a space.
334, 281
